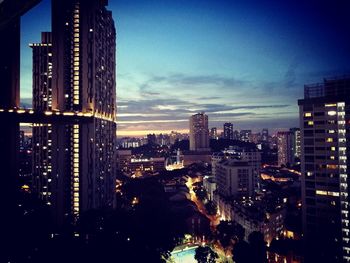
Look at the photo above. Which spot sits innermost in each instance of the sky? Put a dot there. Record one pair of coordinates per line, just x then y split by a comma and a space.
244, 62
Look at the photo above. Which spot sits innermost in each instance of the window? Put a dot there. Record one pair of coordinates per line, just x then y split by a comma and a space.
319, 113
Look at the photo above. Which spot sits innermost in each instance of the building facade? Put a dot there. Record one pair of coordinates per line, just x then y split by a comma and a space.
214, 133
228, 131
245, 135
42, 132
83, 84
285, 148
234, 178
253, 157
265, 135
296, 142
199, 132
324, 122
151, 165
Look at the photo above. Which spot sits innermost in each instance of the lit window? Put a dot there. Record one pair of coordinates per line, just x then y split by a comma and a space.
329, 139
321, 192
309, 173
307, 114
332, 166
332, 113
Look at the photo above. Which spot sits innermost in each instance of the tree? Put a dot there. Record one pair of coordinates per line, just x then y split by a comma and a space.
228, 230
201, 193
258, 247
241, 252
205, 255
211, 208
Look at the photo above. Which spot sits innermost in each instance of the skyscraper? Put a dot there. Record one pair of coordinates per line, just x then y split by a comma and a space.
199, 132
42, 132
245, 135
213, 133
265, 135
324, 122
83, 85
228, 131
285, 148
296, 147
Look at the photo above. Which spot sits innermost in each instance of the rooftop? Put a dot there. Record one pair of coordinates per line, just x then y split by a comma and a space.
331, 87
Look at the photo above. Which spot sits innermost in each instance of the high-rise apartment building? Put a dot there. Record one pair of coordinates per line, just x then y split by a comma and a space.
228, 131
82, 164
245, 135
296, 143
324, 123
199, 132
265, 135
151, 138
42, 132
213, 133
253, 157
285, 148
236, 135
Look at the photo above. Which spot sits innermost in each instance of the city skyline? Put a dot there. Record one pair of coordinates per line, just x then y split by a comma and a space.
235, 172
241, 63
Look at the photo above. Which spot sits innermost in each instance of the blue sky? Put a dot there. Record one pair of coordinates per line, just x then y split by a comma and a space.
239, 61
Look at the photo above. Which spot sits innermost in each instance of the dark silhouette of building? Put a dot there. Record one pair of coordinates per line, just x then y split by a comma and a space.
265, 135
10, 14
245, 135
214, 133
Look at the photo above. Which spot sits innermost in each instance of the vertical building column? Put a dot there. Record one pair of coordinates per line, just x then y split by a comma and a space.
9, 99
343, 177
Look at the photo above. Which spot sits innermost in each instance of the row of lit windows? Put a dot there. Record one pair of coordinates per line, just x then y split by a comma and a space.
75, 182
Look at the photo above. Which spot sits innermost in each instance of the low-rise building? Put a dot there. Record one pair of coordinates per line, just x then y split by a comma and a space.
252, 216
151, 165
209, 185
123, 160
234, 177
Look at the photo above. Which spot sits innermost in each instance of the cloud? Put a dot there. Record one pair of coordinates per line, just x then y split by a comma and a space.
176, 82
290, 75
209, 98
166, 102
150, 94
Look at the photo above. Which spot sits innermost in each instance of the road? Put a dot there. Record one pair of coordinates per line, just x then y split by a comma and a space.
214, 219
